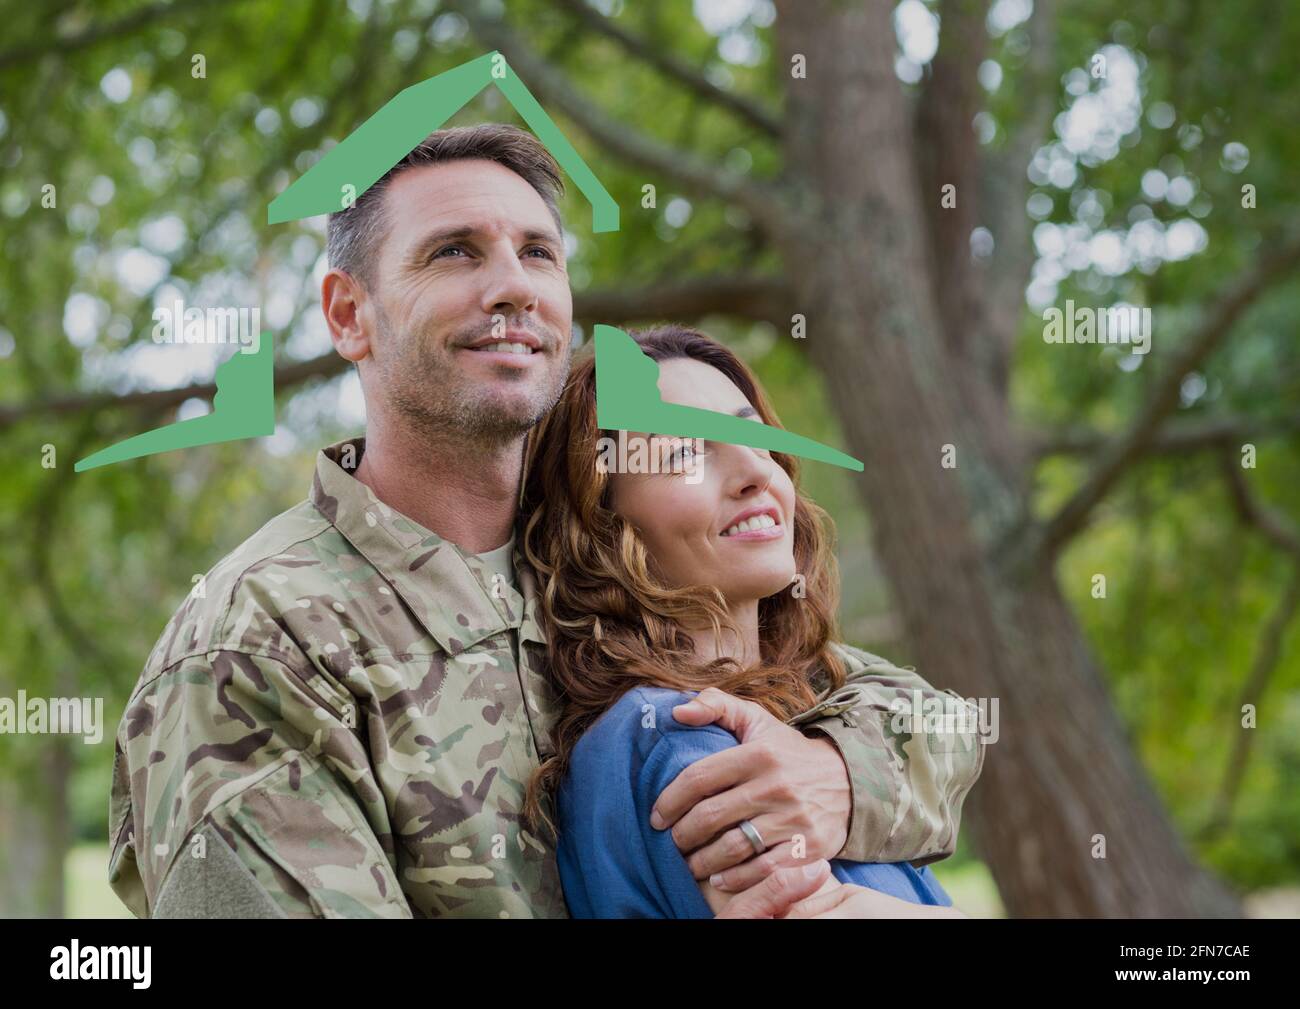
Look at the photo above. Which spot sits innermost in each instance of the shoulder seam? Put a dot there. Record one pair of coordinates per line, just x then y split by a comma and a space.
223, 614
219, 626
288, 667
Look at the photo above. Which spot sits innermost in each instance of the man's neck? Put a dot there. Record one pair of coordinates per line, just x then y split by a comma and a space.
466, 493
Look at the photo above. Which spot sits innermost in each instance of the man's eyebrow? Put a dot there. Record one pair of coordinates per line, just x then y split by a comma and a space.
426, 246
543, 235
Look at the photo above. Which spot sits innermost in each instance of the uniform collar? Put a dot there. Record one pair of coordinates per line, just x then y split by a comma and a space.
448, 591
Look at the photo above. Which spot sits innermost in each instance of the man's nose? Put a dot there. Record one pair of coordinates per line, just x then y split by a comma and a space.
508, 287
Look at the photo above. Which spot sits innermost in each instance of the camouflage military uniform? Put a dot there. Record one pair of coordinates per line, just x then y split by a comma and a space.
344, 722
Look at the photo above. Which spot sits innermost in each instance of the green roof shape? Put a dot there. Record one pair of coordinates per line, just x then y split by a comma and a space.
393, 132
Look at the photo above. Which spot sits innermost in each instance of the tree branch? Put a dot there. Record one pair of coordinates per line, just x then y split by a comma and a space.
758, 298
96, 33
286, 376
1173, 438
1267, 654
763, 202
1274, 526
670, 66
1282, 533
1115, 458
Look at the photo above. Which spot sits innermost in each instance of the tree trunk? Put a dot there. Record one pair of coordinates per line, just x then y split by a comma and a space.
34, 837
1062, 776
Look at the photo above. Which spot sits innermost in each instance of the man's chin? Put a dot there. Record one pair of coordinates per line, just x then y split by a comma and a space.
504, 421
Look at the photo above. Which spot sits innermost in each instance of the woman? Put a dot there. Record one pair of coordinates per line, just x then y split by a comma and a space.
659, 584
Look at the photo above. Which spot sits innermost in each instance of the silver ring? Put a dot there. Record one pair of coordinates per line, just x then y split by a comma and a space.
753, 836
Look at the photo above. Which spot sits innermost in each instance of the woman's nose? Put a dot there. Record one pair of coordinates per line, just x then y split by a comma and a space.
752, 469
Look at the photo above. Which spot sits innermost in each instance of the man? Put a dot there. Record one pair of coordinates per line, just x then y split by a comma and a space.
344, 721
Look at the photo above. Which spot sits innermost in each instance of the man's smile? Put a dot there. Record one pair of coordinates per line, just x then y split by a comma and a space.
516, 347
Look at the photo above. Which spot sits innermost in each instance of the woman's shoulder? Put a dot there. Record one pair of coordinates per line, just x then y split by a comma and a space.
635, 724
641, 704
612, 863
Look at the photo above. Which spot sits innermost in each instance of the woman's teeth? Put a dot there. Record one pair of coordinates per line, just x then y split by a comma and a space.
507, 348
757, 522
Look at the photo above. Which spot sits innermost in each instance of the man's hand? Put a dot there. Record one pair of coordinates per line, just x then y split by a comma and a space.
787, 785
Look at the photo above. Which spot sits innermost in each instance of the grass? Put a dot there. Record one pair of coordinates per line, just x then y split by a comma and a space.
88, 894
971, 888
967, 882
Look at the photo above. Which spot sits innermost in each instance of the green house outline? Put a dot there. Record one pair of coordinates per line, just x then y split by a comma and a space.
244, 404
388, 136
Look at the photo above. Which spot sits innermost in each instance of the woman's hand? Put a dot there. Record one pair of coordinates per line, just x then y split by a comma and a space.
775, 894
849, 901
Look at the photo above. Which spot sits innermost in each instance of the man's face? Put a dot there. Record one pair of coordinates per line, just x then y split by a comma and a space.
471, 261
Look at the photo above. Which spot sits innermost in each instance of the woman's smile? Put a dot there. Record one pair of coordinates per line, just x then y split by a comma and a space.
755, 524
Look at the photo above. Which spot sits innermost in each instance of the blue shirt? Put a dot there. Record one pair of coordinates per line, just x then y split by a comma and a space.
613, 864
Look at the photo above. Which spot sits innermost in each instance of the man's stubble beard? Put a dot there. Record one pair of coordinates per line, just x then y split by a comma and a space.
431, 396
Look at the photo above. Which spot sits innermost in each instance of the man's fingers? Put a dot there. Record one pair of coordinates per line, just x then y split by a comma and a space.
709, 776
737, 716
743, 875
731, 848
715, 817
773, 896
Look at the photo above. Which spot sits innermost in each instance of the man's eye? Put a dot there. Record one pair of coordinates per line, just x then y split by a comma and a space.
542, 249
445, 249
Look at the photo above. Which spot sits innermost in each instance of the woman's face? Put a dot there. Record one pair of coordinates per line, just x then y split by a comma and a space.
732, 525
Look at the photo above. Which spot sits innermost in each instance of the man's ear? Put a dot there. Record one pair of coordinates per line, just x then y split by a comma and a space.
344, 302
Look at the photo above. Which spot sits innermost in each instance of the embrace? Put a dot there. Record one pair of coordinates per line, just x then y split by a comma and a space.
476, 674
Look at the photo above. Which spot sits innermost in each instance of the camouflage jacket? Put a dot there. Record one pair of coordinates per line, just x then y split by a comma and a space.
334, 724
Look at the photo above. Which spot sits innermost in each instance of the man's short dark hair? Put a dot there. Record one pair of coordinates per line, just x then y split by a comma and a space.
355, 233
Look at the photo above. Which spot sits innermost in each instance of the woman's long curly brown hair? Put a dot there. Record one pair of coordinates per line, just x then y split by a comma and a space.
610, 620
